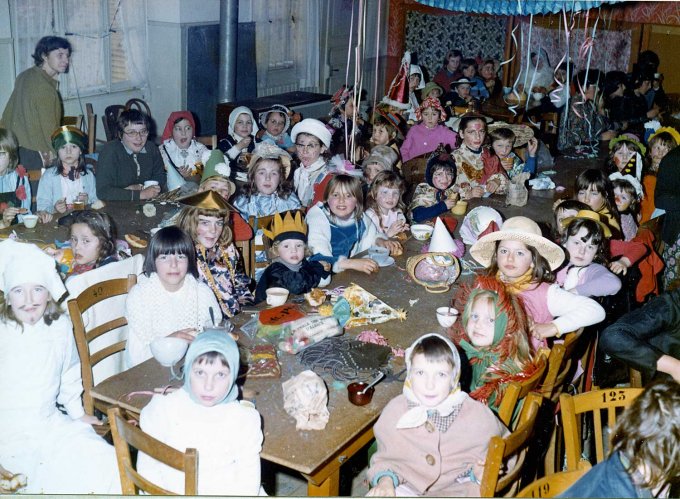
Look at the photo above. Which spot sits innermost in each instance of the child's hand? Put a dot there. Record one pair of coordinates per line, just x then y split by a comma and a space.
326, 266
544, 330
384, 488
450, 203
532, 146
394, 247
9, 214
82, 197
92, 420
44, 217
492, 186
244, 143
60, 206
57, 254
187, 334
476, 192
365, 265
396, 228
620, 266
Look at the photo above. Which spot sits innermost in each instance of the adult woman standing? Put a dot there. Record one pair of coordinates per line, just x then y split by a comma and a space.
34, 109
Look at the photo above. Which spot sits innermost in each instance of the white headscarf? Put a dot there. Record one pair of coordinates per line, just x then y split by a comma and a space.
232, 120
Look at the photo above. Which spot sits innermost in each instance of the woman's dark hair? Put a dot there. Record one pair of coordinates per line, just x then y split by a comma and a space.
637, 79
540, 273
46, 45
594, 234
170, 241
612, 80
586, 78
103, 228
599, 179
132, 117
452, 53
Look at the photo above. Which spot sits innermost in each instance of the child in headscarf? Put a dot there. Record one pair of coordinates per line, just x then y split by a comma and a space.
433, 437
206, 415
241, 140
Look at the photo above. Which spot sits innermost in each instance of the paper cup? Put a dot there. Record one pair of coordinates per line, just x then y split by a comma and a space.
30, 221
149, 183
276, 296
78, 205
447, 316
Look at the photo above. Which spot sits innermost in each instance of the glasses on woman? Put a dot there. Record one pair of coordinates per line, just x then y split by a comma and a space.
136, 133
307, 147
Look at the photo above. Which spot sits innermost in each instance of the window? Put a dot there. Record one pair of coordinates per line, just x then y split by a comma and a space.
108, 39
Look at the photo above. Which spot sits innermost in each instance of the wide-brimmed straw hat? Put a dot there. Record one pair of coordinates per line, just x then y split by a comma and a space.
520, 229
601, 220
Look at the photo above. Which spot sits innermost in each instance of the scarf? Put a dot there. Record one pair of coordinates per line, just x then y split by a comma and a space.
305, 177
522, 283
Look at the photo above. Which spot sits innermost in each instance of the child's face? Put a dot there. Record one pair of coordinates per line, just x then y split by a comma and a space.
220, 187
28, 302
502, 147
387, 198
342, 204
658, 152
592, 197
463, 90
622, 156
4, 162
267, 176
275, 124
209, 230
69, 154
474, 134
514, 258
243, 126
308, 148
349, 108
481, 323
292, 251
210, 383
171, 270
435, 93
487, 72
453, 63
430, 117
413, 82
581, 253
442, 178
622, 199
469, 72
371, 170
431, 381
561, 215
182, 133
381, 136
85, 244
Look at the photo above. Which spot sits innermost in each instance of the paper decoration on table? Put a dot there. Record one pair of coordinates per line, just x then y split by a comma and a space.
263, 362
373, 336
276, 316
368, 309
305, 397
518, 195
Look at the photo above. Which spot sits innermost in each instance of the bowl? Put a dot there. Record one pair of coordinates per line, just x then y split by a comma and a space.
30, 221
168, 351
357, 398
460, 208
421, 232
378, 253
447, 316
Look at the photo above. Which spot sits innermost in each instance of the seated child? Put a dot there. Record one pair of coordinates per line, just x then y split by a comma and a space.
459, 96
431, 89
241, 140
627, 197
167, 300
312, 141
339, 229
205, 415
644, 460
503, 140
586, 245
478, 89
387, 132
385, 207
15, 188
345, 120
179, 149
436, 195
276, 122
660, 143
428, 133
55, 447
434, 418
69, 179
381, 159
290, 268
564, 208
625, 155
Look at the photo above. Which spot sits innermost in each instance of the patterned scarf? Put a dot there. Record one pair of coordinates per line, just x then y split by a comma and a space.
522, 283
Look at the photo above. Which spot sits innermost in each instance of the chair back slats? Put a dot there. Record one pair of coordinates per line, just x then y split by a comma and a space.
101, 291
258, 223
105, 328
515, 391
555, 484
100, 355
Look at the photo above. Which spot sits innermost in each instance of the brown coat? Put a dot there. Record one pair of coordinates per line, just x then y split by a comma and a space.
429, 461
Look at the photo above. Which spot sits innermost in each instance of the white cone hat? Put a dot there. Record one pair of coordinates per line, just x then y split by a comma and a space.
174, 179
441, 241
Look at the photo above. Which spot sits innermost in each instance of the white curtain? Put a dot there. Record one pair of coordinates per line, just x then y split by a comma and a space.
307, 39
87, 71
134, 40
31, 20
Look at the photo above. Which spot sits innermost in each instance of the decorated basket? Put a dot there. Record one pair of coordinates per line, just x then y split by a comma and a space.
434, 271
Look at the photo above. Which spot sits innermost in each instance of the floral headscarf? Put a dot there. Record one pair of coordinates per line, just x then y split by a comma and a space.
431, 102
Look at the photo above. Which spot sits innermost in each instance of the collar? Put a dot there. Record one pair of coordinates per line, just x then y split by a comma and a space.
129, 151
294, 267
317, 165
417, 414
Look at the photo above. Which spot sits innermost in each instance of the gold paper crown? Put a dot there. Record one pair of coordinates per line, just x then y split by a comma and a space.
287, 226
208, 200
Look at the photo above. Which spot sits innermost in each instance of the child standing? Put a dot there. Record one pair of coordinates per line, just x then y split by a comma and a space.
385, 207
428, 133
436, 195
69, 179
59, 452
523, 260
339, 228
241, 139
168, 300
290, 268
15, 189
312, 140
503, 141
432, 422
276, 122
205, 414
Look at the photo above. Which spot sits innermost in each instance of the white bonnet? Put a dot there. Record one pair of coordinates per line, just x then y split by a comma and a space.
22, 263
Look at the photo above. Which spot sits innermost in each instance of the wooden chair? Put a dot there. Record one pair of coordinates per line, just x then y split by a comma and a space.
560, 363
256, 224
125, 435
414, 170
501, 450
88, 359
210, 141
76, 121
591, 405
91, 128
34, 177
111, 113
553, 485
515, 392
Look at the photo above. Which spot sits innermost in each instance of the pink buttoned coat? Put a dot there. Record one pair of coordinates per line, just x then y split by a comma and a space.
428, 461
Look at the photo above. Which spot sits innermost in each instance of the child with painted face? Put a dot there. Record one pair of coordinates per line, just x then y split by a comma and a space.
339, 228
523, 260
15, 188
240, 140
69, 179
54, 447
434, 418
627, 197
436, 195
276, 122
206, 415
290, 267
385, 207
168, 299
179, 149
428, 133
625, 155
586, 244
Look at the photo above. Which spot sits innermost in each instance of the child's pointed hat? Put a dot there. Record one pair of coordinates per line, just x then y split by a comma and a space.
287, 227
441, 241
397, 95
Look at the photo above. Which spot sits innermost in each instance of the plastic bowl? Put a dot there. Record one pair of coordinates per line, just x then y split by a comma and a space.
30, 221
447, 316
168, 351
421, 232
357, 398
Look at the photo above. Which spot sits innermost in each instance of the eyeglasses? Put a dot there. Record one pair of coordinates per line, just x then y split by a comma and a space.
137, 133
307, 147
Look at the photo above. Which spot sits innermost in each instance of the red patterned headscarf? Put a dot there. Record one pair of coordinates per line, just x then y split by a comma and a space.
431, 102
174, 116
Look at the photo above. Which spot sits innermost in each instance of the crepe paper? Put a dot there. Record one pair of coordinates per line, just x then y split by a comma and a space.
276, 316
373, 336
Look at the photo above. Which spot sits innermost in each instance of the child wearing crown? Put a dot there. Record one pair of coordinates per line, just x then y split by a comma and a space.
290, 268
